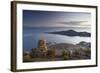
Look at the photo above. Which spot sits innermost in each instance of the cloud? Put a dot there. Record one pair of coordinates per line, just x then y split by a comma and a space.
73, 22
80, 24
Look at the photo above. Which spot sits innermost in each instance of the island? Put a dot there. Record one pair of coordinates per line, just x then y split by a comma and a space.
71, 33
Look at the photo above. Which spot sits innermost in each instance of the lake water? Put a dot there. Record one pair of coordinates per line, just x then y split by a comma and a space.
32, 35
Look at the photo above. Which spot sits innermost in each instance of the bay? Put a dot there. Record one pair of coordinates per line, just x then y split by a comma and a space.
31, 36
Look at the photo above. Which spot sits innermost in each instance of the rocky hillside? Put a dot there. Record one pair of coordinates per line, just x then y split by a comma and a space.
81, 48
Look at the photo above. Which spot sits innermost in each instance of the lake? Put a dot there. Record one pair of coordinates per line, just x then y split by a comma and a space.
32, 35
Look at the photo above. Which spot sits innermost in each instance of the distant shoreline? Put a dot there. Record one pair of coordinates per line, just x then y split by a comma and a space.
71, 33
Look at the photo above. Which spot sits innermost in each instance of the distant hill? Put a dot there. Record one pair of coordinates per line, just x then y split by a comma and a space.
72, 33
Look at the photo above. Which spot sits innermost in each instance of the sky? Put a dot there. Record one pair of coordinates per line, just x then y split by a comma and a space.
33, 18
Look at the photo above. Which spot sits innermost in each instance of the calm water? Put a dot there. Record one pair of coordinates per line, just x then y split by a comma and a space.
32, 35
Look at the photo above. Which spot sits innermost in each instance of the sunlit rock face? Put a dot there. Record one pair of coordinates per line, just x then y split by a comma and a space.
42, 45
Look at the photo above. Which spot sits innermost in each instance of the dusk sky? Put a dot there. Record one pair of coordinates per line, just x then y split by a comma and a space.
33, 18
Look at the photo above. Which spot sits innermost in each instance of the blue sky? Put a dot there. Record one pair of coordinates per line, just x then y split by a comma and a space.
33, 18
